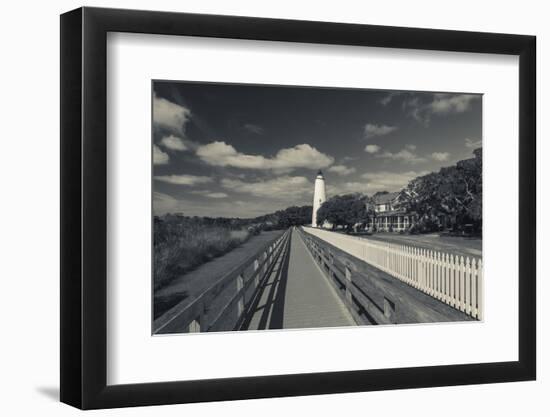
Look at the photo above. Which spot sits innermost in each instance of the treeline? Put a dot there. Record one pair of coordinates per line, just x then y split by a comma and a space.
450, 199
281, 219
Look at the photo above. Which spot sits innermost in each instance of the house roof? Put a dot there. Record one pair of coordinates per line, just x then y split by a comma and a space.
385, 198
399, 212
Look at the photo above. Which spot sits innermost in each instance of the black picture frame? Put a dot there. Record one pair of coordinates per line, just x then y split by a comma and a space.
84, 207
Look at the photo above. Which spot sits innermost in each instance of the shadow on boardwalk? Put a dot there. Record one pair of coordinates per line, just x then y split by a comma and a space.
269, 304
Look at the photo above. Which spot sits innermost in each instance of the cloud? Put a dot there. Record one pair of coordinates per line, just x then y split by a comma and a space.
254, 128
301, 156
216, 195
169, 115
209, 194
441, 104
159, 157
441, 156
406, 155
374, 182
183, 179
372, 130
174, 143
341, 170
451, 103
347, 187
349, 158
388, 98
284, 187
389, 181
372, 148
472, 143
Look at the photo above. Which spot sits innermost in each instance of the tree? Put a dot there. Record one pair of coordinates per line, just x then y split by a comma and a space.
294, 216
344, 210
453, 194
282, 219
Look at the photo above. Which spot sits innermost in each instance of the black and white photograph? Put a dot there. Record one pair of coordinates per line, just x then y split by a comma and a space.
285, 207
247, 208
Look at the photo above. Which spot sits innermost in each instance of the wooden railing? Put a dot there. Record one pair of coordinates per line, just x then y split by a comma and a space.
231, 295
373, 307
455, 280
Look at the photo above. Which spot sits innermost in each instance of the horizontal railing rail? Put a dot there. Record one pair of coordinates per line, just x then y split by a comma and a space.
454, 280
194, 313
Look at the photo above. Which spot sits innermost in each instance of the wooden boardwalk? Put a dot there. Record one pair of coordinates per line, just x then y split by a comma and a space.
296, 280
297, 294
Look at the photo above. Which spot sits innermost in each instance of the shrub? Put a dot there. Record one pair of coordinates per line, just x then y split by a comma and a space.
180, 246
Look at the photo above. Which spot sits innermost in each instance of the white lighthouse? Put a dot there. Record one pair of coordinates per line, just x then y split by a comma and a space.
319, 196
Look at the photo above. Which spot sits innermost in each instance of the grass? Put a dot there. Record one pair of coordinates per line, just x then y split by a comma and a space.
182, 246
449, 244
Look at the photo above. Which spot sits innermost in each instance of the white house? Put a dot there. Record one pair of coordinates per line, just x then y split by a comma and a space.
389, 216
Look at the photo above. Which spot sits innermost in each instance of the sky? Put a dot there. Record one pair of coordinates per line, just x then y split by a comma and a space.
238, 150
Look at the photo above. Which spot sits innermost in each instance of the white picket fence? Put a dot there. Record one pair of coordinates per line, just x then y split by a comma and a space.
452, 279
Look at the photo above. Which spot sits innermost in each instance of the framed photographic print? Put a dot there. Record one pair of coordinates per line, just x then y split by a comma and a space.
257, 208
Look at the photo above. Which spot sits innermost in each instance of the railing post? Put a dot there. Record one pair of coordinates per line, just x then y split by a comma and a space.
240, 303
266, 264
387, 252
194, 326
203, 320
256, 274
349, 298
331, 264
389, 310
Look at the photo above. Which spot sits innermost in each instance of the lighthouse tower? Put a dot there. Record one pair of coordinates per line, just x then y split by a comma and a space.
319, 196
